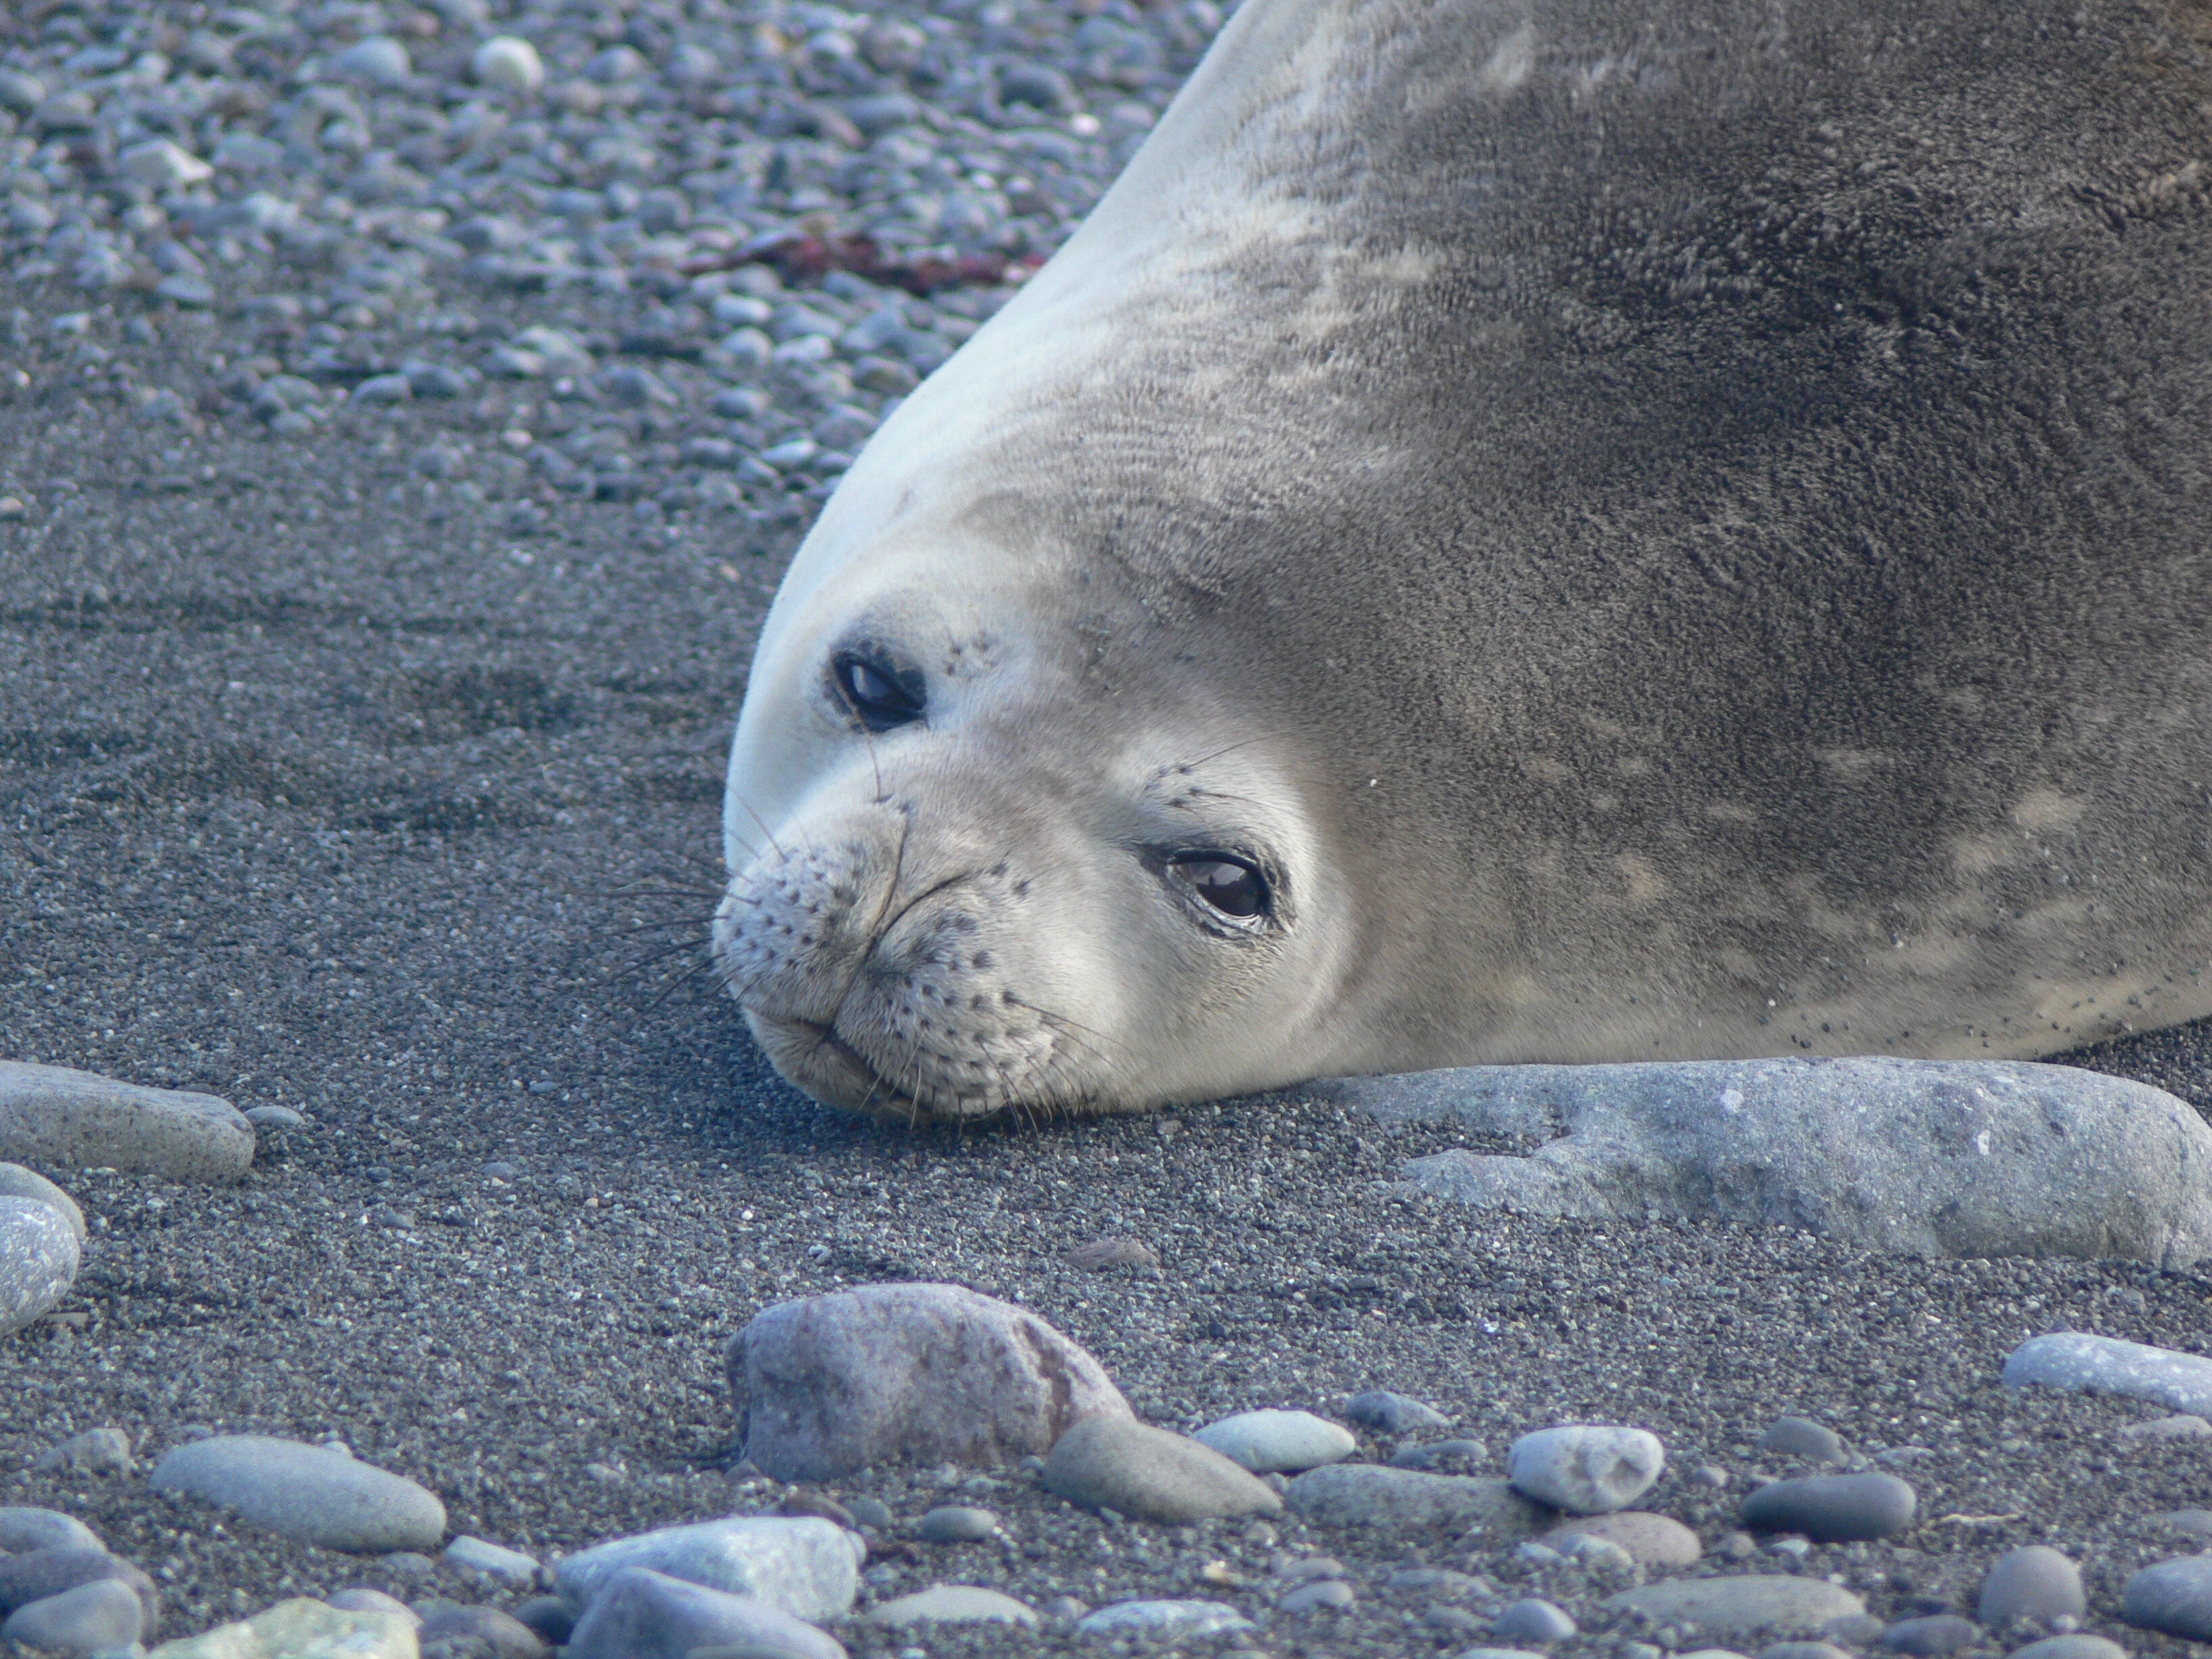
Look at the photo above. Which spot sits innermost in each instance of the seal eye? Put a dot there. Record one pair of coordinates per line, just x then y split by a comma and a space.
879, 696
1228, 886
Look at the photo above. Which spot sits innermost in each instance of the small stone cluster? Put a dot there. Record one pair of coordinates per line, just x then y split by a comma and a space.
382, 214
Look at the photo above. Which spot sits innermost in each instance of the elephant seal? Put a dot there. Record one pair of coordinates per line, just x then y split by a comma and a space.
1528, 530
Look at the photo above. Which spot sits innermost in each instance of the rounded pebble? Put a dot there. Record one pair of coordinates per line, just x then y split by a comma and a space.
2071, 1647
481, 1555
1801, 1436
2032, 1581
1651, 1540
955, 1523
306, 1494
1117, 1463
1278, 1442
510, 65
16, 1181
23, 1530
1316, 1595
1932, 1636
39, 1259
1830, 1508
1586, 1469
872, 1513
1803, 1650
97, 1616
1388, 1412
1533, 1620
1442, 1456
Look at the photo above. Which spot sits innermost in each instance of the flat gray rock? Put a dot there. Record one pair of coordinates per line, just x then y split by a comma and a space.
1959, 1158
96, 1451
38, 1259
805, 1566
952, 1604
1373, 1494
72, 1120
1651, 1540
1120, 1464
644, 1614
2105, 1364
307, 1493
1388, 1412
1746, 1605
16, 1181
1162, 1621
907, 1373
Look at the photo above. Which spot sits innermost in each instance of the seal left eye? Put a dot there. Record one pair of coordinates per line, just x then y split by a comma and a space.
1228, 885
879, 696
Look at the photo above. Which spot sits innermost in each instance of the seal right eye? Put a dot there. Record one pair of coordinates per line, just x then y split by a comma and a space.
879, 696
1230, 886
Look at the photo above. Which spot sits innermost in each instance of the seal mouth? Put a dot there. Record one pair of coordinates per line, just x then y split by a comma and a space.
816, 1058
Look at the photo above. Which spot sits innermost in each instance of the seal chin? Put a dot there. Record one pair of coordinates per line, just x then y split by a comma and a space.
815, 1059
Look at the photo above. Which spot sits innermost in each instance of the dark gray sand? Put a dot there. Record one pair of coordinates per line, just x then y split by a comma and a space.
319, 788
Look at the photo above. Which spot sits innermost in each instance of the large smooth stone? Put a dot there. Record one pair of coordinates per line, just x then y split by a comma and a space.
1278, 1442
16, 1181
1132, 1469
1375, 1495
1586, 1468
805, 1566
306, 1494
1745, 1605
2105, 1364
23, 1530
639, 1613
2174, 1596
1833, 1509
39, 1259
1956, 1157
886, 1374
69, 1119
2032, 1582
303, 1628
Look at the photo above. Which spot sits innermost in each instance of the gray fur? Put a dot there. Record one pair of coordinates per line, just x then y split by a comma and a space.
1736, 477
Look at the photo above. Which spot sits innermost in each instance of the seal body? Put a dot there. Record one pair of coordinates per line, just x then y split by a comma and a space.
1618, 531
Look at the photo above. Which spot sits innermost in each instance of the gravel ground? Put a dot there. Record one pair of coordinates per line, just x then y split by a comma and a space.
360, 753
